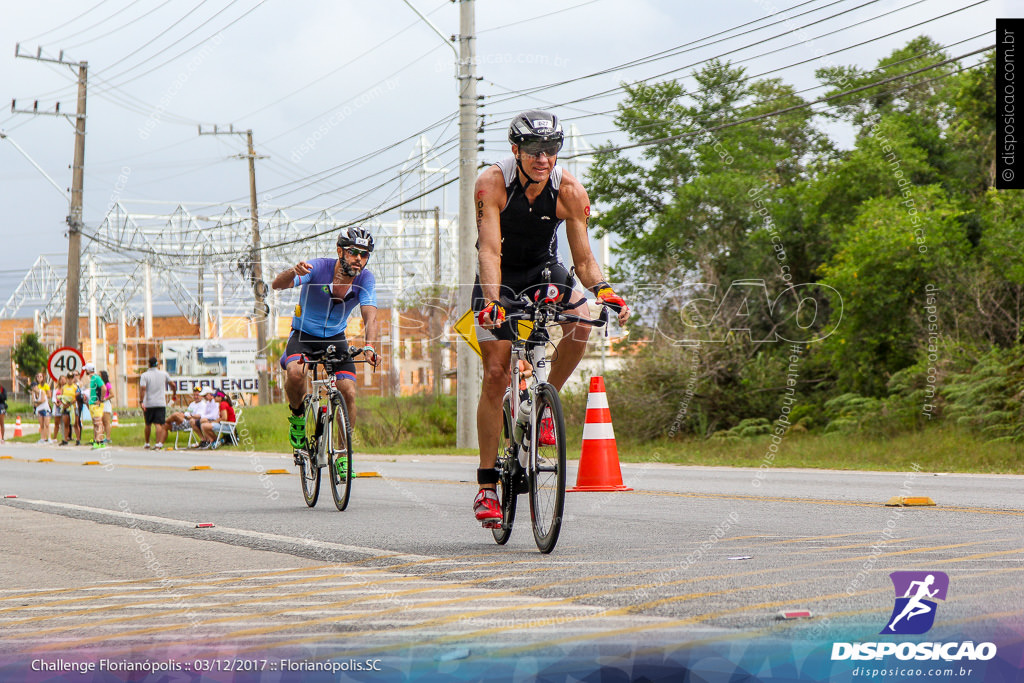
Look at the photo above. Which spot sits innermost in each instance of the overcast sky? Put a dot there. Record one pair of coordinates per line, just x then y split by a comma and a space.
325, 82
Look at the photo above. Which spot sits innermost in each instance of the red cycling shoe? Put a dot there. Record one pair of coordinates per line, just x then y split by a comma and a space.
487, 509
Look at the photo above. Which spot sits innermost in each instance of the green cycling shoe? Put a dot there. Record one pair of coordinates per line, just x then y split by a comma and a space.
297, 431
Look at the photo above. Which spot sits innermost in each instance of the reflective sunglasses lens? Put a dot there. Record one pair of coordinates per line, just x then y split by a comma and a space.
358, 252
537, 148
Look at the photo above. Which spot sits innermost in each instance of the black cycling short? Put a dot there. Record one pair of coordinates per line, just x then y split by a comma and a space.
513, 286
301, 344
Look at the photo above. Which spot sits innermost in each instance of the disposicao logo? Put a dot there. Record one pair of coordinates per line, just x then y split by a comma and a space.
914, 611
912, 614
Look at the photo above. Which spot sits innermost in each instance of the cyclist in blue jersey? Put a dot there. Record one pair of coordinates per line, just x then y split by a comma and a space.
331, 290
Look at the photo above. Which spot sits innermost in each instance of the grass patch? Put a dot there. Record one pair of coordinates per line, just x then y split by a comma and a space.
388, 425
942, 449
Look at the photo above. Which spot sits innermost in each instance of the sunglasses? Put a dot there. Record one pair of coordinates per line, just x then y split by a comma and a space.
361, 253
535, 149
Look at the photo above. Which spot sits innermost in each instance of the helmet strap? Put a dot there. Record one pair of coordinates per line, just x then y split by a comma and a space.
519, 165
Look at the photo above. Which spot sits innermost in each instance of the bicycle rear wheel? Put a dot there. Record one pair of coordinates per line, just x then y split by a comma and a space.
507, 467
547, 477
309, 473
339, 456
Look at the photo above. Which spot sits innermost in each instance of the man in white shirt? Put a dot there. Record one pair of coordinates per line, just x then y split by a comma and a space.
209, 413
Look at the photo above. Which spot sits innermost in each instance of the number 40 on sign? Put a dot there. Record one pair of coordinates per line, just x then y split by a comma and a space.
64, 360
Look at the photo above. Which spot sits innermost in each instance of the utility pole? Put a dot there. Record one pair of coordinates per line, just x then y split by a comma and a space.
435, 312
74, 219
469, 367
259, 287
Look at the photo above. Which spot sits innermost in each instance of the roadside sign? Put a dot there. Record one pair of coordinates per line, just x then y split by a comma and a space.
467, 330
466, 327
64, 360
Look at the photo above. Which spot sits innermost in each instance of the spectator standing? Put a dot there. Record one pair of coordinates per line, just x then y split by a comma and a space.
95, 399
3, 414
108, 409
68, 406
153, 385
41, 406
81, 407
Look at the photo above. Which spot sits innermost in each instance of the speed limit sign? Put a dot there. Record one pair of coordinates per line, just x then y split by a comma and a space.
65, 360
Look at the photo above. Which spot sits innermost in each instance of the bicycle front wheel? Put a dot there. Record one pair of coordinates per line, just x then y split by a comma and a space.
508, 472
309, 473
546, 473
339, 456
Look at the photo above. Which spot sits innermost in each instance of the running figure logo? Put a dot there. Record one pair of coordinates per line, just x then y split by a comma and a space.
914, 612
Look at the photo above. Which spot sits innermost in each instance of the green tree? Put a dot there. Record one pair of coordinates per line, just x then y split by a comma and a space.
30, 355
685, 208
884, 261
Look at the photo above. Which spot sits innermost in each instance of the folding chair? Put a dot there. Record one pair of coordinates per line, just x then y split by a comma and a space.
186, 426
225, 432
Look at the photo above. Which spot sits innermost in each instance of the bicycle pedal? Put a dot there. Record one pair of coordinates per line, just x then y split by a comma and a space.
494, 524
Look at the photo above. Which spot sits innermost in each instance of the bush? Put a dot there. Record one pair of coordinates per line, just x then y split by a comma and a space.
416, 421
668, 391
988, 397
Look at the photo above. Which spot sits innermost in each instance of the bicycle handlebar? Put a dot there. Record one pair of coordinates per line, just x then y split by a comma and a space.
330, 355
529, 310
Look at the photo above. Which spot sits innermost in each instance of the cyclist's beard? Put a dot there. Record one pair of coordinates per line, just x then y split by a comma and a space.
347, 269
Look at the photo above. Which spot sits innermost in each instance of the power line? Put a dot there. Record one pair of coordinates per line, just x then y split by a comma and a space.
542, 16
151, 41
779, 112
79, 32
796, 92
186, 50
339, 68
119, 248
691, 46
340, 168
122, 26
615, 90
805, 61
163, 33
371, 88
66, 23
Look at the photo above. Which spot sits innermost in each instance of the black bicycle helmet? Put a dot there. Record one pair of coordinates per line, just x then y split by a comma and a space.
356, 237
535, 126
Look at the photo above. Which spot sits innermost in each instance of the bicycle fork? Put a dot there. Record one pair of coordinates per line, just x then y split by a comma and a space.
326, 434
527, 447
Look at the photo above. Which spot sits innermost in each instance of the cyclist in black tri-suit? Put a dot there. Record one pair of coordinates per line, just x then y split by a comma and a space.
520, 202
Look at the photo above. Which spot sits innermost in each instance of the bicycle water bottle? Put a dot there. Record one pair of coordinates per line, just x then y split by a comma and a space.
522, 422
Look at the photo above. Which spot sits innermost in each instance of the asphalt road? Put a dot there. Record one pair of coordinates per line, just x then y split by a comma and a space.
109, 556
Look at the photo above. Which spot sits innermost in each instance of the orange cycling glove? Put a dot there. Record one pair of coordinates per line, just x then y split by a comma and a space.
604, 293
493, 313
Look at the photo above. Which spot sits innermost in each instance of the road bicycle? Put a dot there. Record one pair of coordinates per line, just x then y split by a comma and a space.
525, 465
328, 430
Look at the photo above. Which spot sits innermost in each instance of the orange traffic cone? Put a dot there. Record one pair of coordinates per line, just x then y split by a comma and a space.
17, 425
599, 461
113, 421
